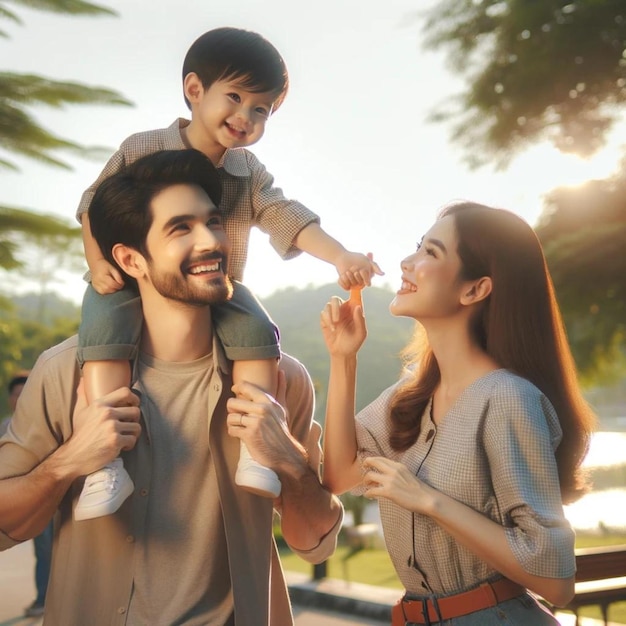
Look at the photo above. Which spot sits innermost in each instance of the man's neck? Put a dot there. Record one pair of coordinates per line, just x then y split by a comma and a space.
176, 332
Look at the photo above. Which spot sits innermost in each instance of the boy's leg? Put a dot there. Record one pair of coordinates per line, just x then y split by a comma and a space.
108, 340
250, 340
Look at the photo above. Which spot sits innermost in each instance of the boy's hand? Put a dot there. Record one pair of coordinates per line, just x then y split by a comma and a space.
356, 269
105, 278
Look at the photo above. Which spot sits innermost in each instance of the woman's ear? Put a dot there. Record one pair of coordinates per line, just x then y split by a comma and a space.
477, 291
192, 87
130, 260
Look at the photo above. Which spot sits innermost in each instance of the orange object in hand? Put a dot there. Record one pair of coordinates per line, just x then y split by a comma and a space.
355, 296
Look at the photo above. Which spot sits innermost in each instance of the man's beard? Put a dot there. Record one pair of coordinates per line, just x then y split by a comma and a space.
176, 287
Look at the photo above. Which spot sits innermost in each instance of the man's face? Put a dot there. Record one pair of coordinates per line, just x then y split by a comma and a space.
188, 248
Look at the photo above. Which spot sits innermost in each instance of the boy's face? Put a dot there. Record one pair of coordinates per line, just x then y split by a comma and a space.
228, 114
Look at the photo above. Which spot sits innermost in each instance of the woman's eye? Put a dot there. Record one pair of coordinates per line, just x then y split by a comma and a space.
430, 251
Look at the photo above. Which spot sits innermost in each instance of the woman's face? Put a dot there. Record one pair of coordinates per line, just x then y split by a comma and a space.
431, 286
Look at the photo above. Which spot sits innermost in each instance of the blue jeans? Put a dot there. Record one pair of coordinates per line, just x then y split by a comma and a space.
521, 611
43, 557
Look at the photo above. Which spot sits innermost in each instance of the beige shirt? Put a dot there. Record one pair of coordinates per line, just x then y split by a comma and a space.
249, 197
94, 568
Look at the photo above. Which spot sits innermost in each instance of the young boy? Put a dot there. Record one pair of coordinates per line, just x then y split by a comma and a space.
233, 80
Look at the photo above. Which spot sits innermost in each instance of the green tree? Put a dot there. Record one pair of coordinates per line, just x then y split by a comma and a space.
584, 234
556, 70
549, 69
21, 134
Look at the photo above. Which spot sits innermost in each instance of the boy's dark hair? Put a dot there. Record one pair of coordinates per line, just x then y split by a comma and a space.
18, 379
236, 54
120, 209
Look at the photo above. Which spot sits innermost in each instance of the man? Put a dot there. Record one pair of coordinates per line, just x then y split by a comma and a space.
189, 546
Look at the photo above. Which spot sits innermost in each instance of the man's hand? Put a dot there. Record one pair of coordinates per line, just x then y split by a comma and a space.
260, 422
101, 430
105, 278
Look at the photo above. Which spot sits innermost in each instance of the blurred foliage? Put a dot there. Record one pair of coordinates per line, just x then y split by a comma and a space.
25, 334
552, 70
583, 230
549, 69
21, 134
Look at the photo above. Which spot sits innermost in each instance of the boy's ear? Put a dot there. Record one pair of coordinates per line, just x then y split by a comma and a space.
476, 291
192, 86
130, 260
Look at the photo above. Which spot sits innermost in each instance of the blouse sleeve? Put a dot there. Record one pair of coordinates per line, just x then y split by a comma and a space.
521, 435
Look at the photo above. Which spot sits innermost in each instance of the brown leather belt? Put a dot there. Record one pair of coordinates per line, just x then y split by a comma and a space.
432, 611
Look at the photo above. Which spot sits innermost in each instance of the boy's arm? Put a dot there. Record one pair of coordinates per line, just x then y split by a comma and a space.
104, 277
354, 268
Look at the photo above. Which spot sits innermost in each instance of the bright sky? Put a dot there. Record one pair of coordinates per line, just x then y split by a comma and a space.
351, 140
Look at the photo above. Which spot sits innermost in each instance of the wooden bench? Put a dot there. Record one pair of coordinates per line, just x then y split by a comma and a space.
600, 579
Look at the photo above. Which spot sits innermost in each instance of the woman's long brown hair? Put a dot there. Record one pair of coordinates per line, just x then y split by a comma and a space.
519, 326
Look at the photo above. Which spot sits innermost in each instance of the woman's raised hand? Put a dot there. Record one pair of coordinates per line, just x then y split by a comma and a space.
343, 324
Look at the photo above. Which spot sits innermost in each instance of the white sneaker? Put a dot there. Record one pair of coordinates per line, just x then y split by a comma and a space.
104, 491
256, 478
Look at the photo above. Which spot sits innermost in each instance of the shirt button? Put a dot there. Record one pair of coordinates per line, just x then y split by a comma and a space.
430, 435
144, 492
130, 539
216, 387
121, 610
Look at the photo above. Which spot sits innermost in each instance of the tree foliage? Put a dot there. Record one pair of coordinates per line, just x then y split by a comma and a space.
21, 134
552, 69
556, 70
584, 235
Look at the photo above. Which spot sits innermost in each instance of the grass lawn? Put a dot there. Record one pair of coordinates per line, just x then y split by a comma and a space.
373, 566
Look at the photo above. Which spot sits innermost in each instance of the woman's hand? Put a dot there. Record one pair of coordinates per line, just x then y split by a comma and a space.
392, 480
343, 325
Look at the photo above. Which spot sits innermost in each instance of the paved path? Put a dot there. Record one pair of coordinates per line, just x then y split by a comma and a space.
312, 601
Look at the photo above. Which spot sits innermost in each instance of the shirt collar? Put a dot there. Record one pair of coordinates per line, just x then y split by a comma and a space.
233, 161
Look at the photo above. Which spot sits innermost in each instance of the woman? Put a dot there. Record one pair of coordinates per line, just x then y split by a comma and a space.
472, 454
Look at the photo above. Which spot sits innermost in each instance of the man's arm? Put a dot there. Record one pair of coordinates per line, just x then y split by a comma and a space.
310, 515
28, 500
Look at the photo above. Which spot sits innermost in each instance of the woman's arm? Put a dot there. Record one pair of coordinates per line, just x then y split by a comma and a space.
343, 326
484, 537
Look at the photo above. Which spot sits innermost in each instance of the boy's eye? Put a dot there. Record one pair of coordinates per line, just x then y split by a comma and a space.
263, 111
234, 96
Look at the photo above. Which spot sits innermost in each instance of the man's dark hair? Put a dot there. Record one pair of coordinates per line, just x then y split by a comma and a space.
19, 379
240, 55
120, 209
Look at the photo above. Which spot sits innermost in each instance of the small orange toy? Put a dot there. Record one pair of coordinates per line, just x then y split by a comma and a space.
355, 296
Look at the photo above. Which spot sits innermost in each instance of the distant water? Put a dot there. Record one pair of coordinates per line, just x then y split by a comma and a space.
607, 508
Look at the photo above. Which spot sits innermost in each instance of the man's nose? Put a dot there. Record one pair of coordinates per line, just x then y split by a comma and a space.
207, 239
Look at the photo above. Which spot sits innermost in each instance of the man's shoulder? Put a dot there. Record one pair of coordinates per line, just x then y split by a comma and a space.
61, 356
65, 349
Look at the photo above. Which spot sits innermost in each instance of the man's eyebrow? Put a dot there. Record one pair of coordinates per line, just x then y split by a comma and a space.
438, 243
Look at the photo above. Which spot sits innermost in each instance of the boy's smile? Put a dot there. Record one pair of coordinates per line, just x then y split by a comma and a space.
226, 115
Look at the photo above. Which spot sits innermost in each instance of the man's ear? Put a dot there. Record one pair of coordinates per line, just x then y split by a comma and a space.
130, 260
192, 87
476, 291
